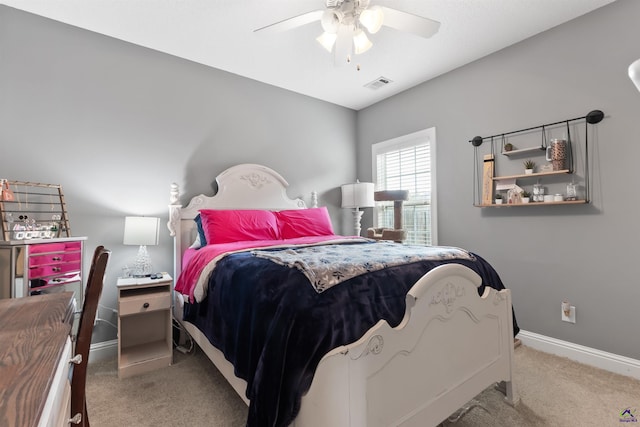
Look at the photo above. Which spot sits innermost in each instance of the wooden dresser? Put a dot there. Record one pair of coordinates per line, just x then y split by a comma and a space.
41, 266
35, 360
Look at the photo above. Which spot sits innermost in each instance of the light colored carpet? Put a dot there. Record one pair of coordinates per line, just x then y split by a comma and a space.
554, 391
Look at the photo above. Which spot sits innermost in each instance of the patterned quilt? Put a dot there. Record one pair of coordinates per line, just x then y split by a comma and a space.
328, 265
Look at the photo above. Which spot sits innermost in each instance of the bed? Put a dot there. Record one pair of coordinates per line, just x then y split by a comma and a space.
306, 348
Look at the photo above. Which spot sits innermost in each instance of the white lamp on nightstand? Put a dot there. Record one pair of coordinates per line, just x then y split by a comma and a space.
142, 231
356, 196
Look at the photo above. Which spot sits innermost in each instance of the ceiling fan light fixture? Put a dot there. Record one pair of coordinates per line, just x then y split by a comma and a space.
327, 40
331, 21
361, 42
372, 19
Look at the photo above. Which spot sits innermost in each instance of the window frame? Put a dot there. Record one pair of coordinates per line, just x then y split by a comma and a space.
406, 141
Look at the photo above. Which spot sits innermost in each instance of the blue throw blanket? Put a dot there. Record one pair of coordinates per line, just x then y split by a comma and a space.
275, 328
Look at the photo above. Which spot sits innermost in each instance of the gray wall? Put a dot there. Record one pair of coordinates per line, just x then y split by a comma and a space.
586, 254
115, 124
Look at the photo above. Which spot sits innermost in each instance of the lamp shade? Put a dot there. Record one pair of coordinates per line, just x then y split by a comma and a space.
634, 73
327, 40
141, 230
358, 195
361, 42
372, 19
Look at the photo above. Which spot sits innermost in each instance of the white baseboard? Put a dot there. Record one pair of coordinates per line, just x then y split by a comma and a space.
622, 365
104, 350
589, 356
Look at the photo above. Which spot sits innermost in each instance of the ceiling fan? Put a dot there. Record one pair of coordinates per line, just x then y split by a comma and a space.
344, 23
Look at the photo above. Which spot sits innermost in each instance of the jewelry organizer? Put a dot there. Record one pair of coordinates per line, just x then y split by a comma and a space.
31, 210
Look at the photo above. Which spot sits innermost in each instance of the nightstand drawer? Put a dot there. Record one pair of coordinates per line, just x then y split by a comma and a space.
143, 302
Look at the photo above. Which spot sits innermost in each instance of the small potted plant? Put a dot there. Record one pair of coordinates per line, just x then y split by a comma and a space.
528, 166
508, 146
525, 197
498, 199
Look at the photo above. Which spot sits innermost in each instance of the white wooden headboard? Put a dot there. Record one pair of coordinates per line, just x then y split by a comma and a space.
245, 186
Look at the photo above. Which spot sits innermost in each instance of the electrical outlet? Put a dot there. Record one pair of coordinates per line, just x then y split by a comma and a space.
571, 317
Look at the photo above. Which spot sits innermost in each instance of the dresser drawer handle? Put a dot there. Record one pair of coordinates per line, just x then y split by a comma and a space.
76, 360
76, 419
57, 258
55, 269
145, 305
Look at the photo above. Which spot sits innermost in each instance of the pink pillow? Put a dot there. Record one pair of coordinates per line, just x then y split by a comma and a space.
226, 226
304, 222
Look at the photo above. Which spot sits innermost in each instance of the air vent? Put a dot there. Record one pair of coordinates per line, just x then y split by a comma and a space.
378, 83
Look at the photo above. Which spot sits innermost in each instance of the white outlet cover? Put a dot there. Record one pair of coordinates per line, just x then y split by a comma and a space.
571, 318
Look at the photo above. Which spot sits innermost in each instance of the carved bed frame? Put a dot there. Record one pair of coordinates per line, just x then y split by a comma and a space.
451, 345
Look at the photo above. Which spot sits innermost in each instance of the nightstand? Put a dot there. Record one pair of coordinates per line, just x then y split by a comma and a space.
144, 324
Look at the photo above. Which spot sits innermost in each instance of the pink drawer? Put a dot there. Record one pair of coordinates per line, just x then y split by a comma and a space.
56, 281
55, 269
53, 258
72, 246
47, 247
55, 247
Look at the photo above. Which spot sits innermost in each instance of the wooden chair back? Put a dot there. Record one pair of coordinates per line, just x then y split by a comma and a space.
92, 294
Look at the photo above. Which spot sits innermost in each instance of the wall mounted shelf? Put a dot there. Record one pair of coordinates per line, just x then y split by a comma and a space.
484, 198
531, 175
530, 204
522, 151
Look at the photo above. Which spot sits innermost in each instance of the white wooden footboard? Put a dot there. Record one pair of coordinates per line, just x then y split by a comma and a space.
451, 345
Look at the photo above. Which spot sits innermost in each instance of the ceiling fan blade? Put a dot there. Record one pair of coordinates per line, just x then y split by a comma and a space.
291, 23
410, 23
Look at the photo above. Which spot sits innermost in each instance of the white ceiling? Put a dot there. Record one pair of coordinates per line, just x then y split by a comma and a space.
219, 33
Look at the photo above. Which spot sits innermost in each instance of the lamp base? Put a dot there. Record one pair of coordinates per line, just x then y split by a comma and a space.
142, 265
357, 216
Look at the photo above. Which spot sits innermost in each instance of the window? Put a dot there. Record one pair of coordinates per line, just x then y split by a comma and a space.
408, 163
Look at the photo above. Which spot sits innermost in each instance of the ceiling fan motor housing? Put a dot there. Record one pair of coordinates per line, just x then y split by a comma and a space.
332, 4
342, 12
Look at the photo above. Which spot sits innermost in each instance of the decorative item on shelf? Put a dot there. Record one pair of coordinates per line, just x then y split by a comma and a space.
546, 168
556, 153
538, 192
572, 191
141, 231
488, 167
528, 166
356, 196
525, 197
498, 199
509, 147
514, 195
558, 198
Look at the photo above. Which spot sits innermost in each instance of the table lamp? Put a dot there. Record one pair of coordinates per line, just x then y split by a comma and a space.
142, 231
634, 73
356, 196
